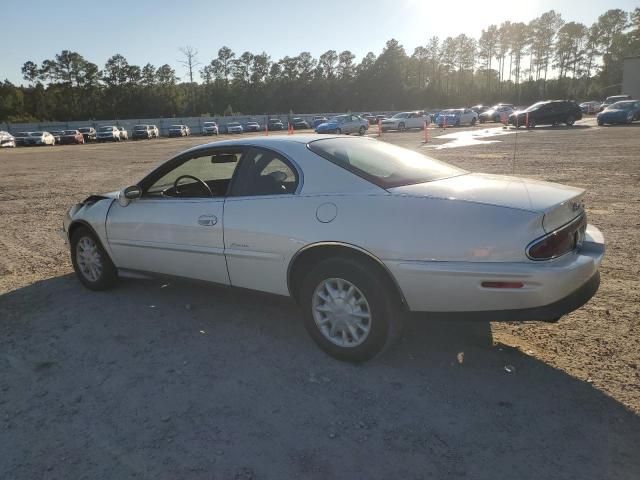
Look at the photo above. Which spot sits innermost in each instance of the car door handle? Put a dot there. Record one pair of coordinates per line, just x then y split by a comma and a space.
207, 220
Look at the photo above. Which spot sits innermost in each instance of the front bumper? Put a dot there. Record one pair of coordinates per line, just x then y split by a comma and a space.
551, 289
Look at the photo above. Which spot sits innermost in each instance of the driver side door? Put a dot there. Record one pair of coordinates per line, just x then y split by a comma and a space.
176, 227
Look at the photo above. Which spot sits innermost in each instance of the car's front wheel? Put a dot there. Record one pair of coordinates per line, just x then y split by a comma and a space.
349, 312
570, 120
362, 130
92, 264
338, 131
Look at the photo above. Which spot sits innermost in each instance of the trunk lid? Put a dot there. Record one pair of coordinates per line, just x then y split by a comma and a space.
558, 203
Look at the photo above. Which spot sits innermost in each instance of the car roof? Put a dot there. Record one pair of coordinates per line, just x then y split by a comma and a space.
267, 142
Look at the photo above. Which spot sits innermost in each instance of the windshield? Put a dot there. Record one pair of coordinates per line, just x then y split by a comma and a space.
234, 124
209, 124
175, 127
36, 134
400, 115
381, 163
451, 111
105, 129
621, 106
85, 129
140, 127
69, 132
535, 106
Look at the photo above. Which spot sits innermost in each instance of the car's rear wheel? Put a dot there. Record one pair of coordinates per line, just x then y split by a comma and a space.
362, 130
401, 127
338, 131
473, 122
531, 124
92, 264
349, 311
570, 120
630, 117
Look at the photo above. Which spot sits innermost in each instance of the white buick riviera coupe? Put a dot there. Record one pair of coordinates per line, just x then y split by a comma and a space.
356, 230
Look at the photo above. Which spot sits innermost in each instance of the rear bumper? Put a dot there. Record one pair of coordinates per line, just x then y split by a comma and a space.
550, 289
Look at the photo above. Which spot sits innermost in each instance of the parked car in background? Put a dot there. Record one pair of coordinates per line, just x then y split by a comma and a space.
590, 107
39, 138
404, 121
210, 128
613, 99
251, 127
275, 124
7, 140
369, 117
145, 132
548, 112
626, 111
380, 117
179, 131
108, 133
72, 137
155, 131
20, 138
57, 135
124, 135
455, 117
299, 124
234, 127
496, 113
346, 124
89, 133
318, 119
479, 109
373, 231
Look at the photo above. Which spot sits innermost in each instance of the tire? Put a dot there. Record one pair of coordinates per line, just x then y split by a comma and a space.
457, 124
401, 127
600, 123
570, 120
338, 131
482, 120
629, 118
379, 322
473, 122
362, 130
531, 124
95, 270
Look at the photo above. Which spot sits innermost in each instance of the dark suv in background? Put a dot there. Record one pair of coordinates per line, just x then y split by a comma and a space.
548, 112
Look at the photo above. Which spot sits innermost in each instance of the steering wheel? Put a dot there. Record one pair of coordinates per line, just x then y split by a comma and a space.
201, 182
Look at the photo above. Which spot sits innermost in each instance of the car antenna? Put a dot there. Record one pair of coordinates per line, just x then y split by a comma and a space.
515, 148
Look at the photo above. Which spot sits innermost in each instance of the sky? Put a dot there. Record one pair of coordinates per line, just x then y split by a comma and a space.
152, 31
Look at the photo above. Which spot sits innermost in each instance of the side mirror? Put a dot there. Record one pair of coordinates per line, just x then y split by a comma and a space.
128, 194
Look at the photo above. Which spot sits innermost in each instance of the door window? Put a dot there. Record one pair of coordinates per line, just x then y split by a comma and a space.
204, 176
264, 172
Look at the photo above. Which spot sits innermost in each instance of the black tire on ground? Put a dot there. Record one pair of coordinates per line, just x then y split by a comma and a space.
570, 120
531, 124
109, 274
457, 124
362, 130
338, 131
473, 122
385, 312
401, 127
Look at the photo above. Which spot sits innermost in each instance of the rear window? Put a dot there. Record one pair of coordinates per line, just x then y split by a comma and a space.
381, 163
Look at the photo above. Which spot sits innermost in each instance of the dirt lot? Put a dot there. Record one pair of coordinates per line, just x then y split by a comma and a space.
178, 380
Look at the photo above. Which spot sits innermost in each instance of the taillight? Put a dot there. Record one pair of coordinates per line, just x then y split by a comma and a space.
560, 241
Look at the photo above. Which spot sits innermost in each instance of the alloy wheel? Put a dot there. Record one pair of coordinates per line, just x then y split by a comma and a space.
89, 259
341, 312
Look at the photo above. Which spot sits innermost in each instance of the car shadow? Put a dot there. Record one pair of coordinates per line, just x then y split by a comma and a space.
165, 379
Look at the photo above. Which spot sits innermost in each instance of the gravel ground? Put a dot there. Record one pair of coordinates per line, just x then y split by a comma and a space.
182, 380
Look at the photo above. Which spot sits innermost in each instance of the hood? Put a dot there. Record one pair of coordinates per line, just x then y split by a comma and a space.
558, 203
615, 111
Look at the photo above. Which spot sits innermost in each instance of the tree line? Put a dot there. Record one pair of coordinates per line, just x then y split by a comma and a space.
511, 62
